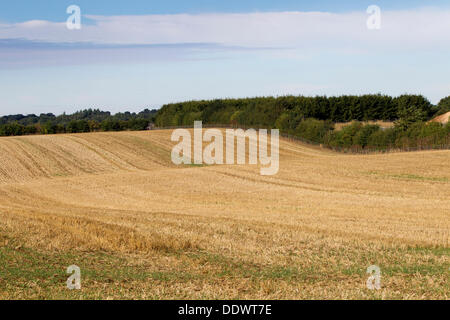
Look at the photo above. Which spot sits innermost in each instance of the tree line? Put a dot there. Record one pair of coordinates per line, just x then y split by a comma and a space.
313, 118
289, 111
90, 120
359, 136
309, 118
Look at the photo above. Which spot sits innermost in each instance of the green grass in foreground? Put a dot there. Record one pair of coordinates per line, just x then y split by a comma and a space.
407, 176
28, 273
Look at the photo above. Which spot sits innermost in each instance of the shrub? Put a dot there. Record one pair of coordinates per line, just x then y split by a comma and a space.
314, 130
361, 138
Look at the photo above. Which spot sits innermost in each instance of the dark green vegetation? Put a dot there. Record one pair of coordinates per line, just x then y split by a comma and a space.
82, 121
313, 118
443, 106
418, 135
309, 118
287, 112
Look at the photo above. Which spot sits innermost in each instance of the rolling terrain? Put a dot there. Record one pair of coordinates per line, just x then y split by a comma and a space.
140, 227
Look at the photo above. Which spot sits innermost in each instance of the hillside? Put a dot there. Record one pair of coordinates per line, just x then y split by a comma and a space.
115, 205
49, 156
443, 118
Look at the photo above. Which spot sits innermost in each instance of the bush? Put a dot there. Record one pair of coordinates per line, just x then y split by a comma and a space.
78, 126
12, 129
314, 130
346, 136
361, 138
382, 139
113, 125
138, 124
51, 127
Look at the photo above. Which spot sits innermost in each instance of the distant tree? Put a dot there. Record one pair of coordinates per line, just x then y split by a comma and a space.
51, 127
362, 137
409, 114
314, 130
411, 103
12, 129
94, 125
382, 139
283, 122
346, 136
443, 106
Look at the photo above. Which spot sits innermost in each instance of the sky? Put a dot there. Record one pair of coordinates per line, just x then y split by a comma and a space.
136, 54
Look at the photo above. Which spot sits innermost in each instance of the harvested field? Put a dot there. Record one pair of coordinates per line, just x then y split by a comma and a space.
443, 118
383, 124
140, 227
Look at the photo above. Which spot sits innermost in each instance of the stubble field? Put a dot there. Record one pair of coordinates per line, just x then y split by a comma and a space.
140, 227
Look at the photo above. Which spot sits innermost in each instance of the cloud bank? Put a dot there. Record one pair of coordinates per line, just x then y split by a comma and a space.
414, 29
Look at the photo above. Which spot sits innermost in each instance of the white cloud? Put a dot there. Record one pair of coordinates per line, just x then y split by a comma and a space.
34, 24
419, 28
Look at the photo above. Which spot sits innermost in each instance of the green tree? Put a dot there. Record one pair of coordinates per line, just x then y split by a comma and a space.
361, 138
409, 114
443, 106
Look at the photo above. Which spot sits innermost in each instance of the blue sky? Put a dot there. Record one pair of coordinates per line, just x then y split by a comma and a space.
134, 54
54, 10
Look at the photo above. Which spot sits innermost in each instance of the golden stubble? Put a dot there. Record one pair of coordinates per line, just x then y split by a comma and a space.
325, 215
